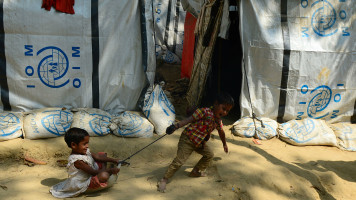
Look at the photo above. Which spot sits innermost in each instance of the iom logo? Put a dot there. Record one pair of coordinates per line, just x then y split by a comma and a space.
321, 98
9, 124
57, 122
301, 133
325, 20
100, 124
53, 66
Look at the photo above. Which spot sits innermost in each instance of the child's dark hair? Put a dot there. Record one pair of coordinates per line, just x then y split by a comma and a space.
225, 98
74, 135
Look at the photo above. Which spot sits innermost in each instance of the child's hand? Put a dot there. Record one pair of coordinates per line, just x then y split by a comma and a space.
170, 129
114, 170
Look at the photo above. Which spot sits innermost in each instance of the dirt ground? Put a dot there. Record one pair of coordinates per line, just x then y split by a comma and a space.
274, 170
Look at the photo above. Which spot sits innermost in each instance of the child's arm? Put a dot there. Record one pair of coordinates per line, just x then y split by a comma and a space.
170, 129
104, 159
184, 122
223, 140
79, 164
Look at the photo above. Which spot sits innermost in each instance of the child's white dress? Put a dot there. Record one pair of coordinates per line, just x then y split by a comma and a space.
78, 181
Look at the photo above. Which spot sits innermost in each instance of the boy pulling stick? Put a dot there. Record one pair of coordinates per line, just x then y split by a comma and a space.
195, 137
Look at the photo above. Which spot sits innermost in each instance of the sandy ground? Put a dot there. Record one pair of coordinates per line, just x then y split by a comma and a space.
273, 170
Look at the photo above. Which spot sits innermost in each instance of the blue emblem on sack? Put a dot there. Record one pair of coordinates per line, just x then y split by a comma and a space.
133, 126
8, 120
57, 122
301, 133
165, 103
261, 133
100, 124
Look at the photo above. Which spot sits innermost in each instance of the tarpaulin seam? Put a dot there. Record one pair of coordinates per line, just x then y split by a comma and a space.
176, 20
144, 43
95, 52
286, 62
165, 40
353, 117
3, 77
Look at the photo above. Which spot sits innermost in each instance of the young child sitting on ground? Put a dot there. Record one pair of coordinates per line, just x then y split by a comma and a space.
86, 170
195, 137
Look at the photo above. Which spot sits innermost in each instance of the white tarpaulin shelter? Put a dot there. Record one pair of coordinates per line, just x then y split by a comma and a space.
169, 19
102, 56
300, 59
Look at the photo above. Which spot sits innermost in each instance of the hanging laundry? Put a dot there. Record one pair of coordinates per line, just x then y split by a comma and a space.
65, 6
47, 4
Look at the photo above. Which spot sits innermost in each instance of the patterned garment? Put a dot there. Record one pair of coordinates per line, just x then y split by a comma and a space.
204, 123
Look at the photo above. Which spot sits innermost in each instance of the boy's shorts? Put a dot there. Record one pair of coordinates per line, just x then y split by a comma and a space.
94, 181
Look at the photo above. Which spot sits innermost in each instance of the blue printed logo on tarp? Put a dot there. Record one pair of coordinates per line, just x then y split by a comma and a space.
53, 66
8, 120
324, 18
317, 106
57, 122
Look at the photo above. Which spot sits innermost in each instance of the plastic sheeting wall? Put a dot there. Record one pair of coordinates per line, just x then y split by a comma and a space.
300, 59
169, 19
94, 58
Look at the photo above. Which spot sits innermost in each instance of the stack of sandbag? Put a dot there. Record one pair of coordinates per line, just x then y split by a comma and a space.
47, 122
10, 125
346, 135
307, 132
264, 128
158, 109
95, 121
131, 124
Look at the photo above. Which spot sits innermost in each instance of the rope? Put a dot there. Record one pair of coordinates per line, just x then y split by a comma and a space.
123, 161
249, 95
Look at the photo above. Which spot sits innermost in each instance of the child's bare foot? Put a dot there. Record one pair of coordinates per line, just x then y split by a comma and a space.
196, 173
161, 185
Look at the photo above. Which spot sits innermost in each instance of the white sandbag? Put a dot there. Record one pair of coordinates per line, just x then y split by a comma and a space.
245, 127
158, 109
10, 125
307, 132
95, 121
346, 135
47, 123
132, 124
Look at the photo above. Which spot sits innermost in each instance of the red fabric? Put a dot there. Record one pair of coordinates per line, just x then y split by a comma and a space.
94, 181
47, 4
65, 6
188, 45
